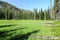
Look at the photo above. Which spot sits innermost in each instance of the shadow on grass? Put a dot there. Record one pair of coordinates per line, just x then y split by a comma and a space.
4, 33
23, 36
7, 25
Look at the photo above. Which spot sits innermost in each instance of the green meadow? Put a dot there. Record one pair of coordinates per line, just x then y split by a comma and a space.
27, 21
28, 29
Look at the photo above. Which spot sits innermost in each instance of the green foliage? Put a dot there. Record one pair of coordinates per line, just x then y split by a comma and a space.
45, 15
8, 12
42, 14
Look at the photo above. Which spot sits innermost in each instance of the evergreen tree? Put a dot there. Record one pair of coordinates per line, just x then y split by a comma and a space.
39, 14
35, 14
45, 12
42, 14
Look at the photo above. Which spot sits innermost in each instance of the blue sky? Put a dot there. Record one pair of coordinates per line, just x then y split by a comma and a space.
30, 4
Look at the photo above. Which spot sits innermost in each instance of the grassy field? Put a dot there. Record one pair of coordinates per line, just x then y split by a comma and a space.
28, 29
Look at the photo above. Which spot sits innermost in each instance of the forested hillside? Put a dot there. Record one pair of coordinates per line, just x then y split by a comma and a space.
8, 11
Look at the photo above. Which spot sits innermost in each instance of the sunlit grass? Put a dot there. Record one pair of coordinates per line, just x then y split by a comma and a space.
19, 27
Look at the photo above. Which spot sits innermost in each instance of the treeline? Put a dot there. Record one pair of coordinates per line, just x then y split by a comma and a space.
8, 12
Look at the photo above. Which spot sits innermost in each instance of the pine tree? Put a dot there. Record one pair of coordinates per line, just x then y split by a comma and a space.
35, 14
42, 14
45, 12
39, 14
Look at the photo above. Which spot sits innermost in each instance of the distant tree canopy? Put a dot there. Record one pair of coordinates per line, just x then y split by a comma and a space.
8, 12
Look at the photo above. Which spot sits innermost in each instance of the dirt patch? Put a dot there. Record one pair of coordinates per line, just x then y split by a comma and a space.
50, 23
